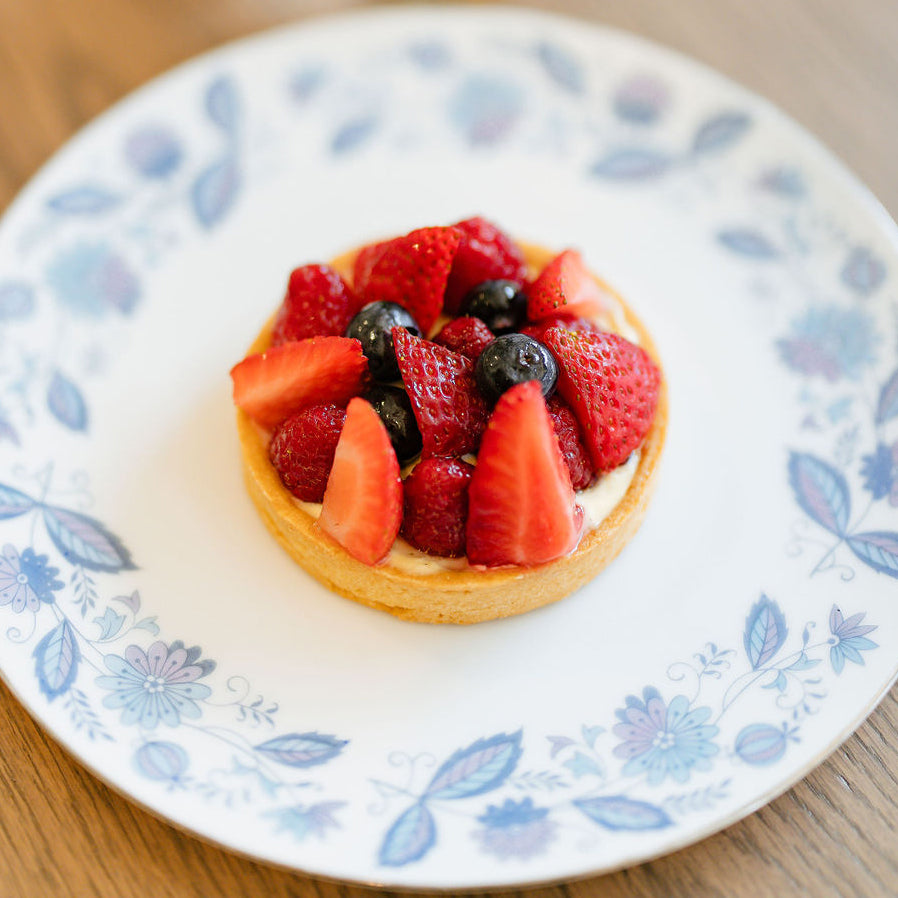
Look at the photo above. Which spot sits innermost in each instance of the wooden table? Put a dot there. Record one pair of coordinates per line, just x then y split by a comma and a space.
831, 65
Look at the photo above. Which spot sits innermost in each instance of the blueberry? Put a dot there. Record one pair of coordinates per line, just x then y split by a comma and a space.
500, 305
514, 359
372, 326
395, 410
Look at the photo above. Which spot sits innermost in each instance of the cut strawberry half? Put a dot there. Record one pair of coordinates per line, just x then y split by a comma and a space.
412, 271
565, 287
362, 505
485, 254
449, 409
612, 385
270, 386
521, 506
580, 325
318, 303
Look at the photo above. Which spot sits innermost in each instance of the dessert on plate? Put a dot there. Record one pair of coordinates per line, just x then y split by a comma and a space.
450, 425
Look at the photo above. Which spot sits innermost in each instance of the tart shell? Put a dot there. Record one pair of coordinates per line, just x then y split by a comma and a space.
465, 596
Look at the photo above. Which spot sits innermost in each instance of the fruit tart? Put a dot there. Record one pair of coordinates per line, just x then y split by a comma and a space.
449, 425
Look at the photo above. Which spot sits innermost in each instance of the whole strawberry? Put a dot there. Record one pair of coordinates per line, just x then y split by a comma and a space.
436, 506
302, 450
538, 329
318, 303
612, 385
468, 336
570, 442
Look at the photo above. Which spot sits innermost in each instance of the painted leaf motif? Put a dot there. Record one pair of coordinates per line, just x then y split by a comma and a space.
66, 403
222, 104
618, 812
863, 272
85, 199
765, 632
747, 242
720, 131
821, 491
878, 549
887, 408
215, 190
16, 300
352, 134
85, 541
409, 838
13, 502
482, 766
561, 66
110, 623
302, 749
635, 164
56, 660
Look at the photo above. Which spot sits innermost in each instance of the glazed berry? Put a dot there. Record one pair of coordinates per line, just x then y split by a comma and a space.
372, 326
436, 506
514, 359
302, 450
395, 410
500, 305
468, 336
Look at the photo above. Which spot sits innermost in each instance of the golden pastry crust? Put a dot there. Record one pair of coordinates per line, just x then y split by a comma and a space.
463, 596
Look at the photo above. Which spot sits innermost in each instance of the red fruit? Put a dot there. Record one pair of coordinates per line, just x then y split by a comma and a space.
270, 386
436, 506
362, 505
448, 407
364, 262
412, 271
579, 325
484, 254
318, 303
467, 336
565, 286
302, 449
612, 386
521, 507
570, 442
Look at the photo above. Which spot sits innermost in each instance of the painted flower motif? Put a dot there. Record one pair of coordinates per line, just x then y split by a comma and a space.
641, 100
849, 639
880, 473
26, 580
486, 108
302, 820
664, 740
89, 278
517, 829
153, 152
159, 684
832, 342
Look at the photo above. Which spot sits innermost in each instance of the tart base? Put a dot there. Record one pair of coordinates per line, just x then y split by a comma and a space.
463, 596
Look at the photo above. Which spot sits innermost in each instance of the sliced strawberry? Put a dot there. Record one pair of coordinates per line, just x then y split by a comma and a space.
412, 271
364, 262
565, 286
580, 325
570, 442
318, 303
521, 507
435, 503
302, 449
468, 336
448, 407
484, 254
612, 386
270, 386
362, 505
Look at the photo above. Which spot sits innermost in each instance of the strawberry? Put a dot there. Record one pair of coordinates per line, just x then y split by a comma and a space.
270, 386
565, 286
612, 385
364, 262
570, 442
521, 507
302, 449
484, 254
448, 407
435, 502
467, 336
580, 325
362, 505
318, 303
412, 271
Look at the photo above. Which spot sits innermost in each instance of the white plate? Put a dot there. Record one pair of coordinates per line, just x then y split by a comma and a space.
703, 673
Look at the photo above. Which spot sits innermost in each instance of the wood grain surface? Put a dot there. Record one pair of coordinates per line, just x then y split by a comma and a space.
832, 66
